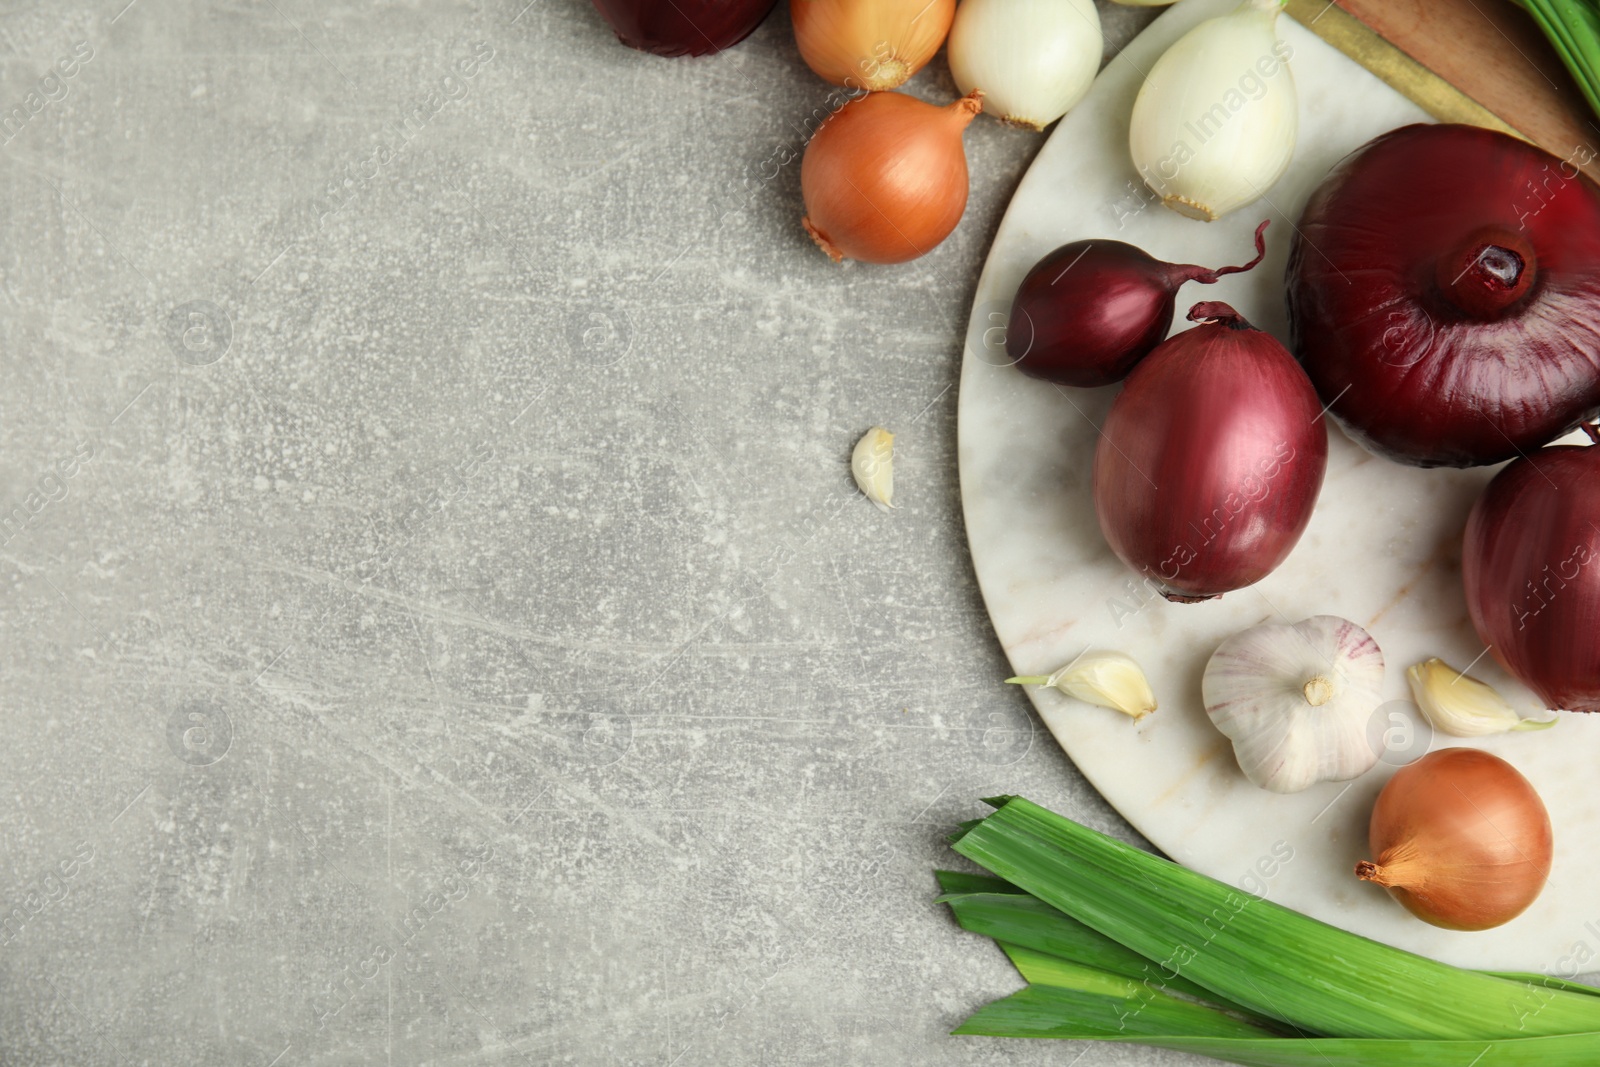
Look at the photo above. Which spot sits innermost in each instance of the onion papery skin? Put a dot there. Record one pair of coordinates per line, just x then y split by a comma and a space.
1531, 569
683, 27
1090, 310
1461, 839
885, 178
1425, 354
1210, 460
869, 44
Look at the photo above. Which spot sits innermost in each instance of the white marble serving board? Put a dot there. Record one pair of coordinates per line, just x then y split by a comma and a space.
1383, 548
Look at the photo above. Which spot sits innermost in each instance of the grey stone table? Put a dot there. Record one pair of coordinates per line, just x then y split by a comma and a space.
438, 624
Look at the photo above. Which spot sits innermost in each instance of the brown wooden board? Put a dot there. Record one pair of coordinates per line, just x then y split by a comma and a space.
1493, 53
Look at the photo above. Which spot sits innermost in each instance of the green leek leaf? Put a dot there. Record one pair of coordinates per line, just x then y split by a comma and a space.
1031, 923
962, 882
1274, 961
1047, 1011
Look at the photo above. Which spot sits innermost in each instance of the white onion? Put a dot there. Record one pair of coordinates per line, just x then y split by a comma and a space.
1033, 59
1215, 121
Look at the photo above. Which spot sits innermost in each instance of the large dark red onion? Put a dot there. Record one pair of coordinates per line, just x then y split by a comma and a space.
1210, 460
1090, 310
1444, 295
1531, 566
683, 27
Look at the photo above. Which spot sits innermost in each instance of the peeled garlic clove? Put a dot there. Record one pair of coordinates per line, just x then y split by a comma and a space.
872, 464
1108, 679
1214, 124
1459, 704
1297, 701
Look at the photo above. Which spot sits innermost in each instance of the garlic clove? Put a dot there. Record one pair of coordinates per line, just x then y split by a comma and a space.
1297, 701
1107, 679
872, 464
1459, 704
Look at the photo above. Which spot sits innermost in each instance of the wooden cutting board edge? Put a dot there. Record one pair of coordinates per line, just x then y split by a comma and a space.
1558, 120
1399, 71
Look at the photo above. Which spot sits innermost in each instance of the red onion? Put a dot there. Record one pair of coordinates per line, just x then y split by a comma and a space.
683, 27
1210, 460
1444, 295
1090, 310
1531, 566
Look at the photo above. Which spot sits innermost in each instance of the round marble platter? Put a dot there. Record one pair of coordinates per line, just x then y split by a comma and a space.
1383, 549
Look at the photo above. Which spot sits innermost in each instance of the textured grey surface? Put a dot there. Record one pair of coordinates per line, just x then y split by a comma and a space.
438, 624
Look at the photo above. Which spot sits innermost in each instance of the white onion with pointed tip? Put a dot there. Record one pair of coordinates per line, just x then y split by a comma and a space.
1214, 124
1033, 59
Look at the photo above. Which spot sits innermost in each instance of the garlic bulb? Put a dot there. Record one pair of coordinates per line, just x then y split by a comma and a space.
1108, 679
872, 465
1214, 123
1033, 59
1297, 700
1459, 704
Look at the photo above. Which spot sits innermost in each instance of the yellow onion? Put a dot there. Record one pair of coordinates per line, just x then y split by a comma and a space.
869, 44
885, 178
1461, 839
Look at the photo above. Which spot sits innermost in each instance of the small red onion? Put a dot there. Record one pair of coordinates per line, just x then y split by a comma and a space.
1090, 310
683, 27
1531, 566
1210, 460
1444, 295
